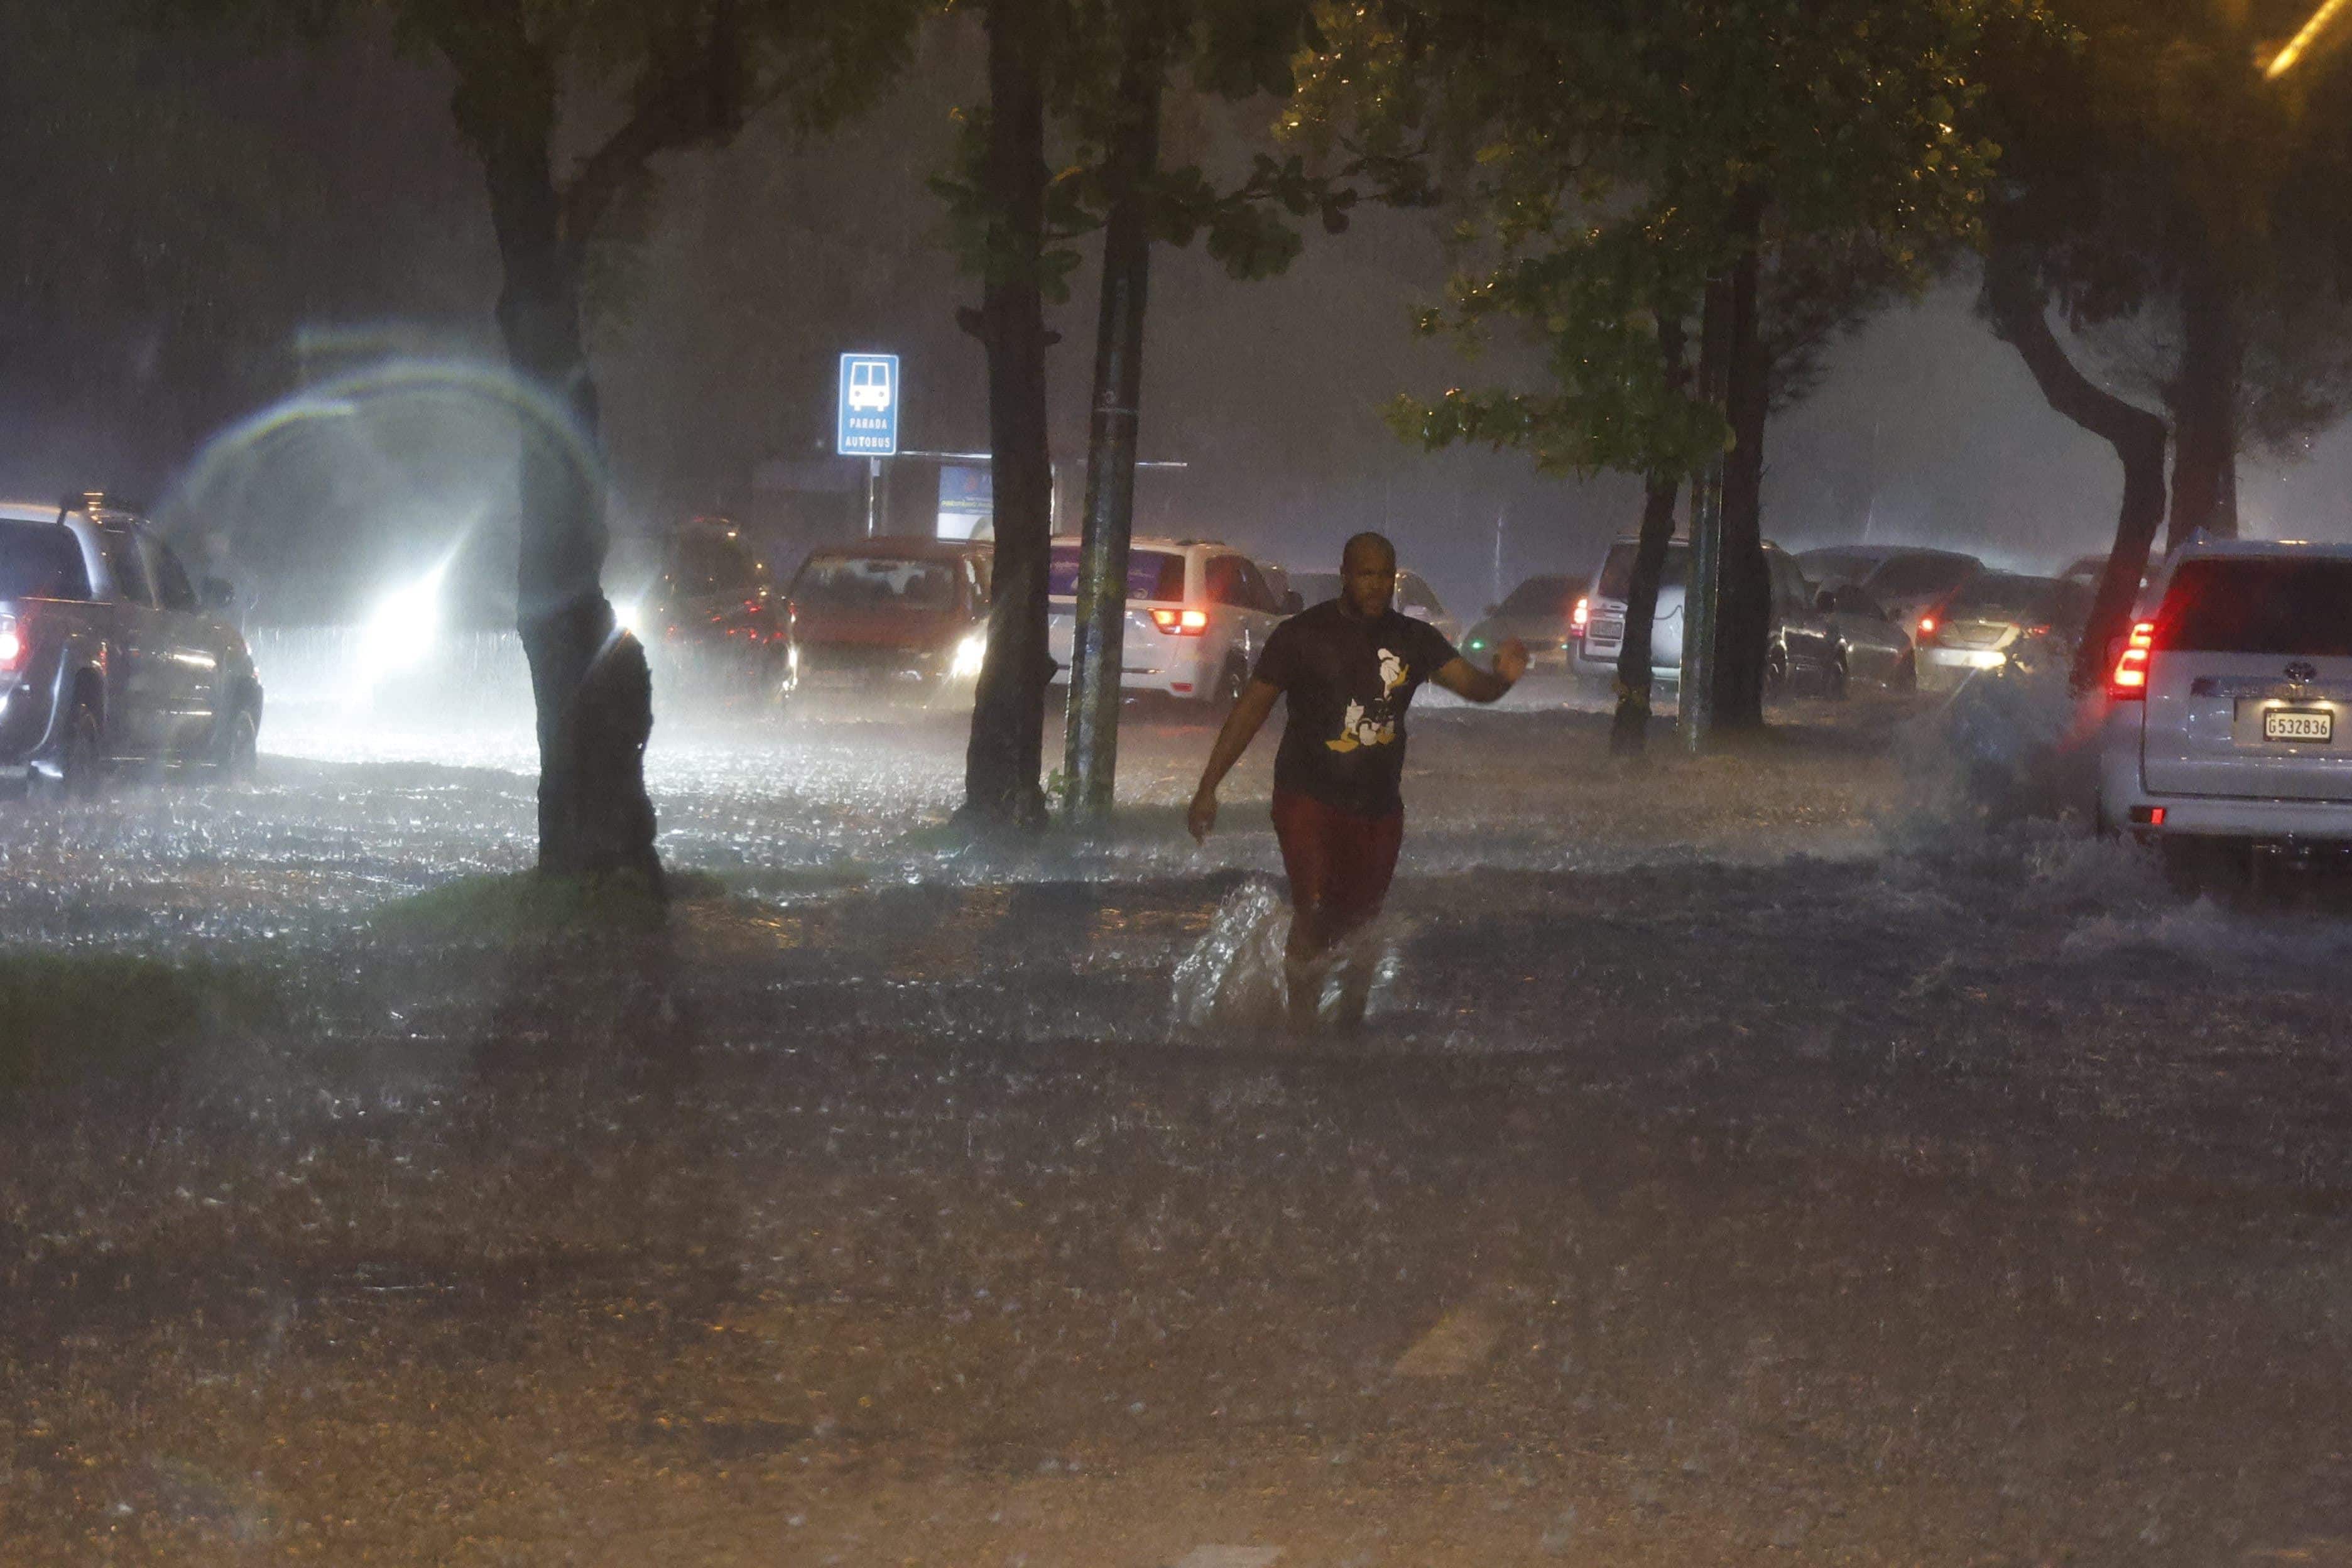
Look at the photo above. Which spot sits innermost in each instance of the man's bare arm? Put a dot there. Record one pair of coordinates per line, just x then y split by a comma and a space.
1466, 680
1241, 727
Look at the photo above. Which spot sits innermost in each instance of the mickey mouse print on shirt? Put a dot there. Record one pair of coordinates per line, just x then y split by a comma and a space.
1349, 680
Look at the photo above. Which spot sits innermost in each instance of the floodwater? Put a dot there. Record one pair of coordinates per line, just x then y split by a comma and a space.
1827, 1151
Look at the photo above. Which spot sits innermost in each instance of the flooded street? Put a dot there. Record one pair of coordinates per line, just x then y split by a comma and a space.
1755, 1157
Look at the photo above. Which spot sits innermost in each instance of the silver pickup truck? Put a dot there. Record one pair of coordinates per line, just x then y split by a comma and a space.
109, 656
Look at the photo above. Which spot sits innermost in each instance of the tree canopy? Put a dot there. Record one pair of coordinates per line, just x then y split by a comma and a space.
1601, 157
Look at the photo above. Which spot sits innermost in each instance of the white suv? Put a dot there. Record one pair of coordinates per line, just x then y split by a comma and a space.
1198, 613
2226, 708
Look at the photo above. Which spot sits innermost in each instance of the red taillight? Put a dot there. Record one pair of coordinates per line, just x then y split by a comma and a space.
12, 644
2129, 681
1182, 623
1926, 632
1581, 616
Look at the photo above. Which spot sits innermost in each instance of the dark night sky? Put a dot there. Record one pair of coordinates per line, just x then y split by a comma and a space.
765, 260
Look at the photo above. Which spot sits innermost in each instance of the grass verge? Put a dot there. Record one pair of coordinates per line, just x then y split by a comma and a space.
65, 1017
508, 905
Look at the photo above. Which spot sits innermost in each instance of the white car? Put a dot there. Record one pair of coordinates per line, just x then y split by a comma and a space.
2226, 705
1415, 597
1198, 613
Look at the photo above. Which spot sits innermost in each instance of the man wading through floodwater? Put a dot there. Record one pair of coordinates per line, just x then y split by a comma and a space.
1349, 668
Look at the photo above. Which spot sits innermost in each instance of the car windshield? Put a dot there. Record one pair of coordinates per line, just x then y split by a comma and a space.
1910, 574
2224, 606
1997, 595
873, 582
701, 565
1617, 572
40, 561
1539, 596
1153, 576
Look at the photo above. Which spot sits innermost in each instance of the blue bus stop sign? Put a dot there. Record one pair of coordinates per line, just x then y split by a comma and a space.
867, 422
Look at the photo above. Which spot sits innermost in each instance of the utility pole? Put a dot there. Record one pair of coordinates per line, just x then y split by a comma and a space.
1098, 636
1695, 720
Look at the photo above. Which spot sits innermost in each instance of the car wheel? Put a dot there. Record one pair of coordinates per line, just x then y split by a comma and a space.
237, 744
80, 765
1836, 684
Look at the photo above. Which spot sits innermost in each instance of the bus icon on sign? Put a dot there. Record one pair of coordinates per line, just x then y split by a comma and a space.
867, 422
869, 385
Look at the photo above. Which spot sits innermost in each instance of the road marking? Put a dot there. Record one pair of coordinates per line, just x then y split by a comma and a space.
1459, 1341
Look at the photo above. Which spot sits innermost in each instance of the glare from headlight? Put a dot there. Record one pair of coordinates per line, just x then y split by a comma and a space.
629, 615
969, 655
401, 629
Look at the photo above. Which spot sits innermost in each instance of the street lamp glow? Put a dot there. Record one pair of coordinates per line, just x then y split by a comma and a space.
2300, 45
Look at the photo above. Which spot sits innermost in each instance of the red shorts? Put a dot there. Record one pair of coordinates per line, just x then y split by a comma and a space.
1339, 864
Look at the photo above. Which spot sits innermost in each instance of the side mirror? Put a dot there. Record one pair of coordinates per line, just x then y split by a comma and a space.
216, 593
1293, 601
1826, 602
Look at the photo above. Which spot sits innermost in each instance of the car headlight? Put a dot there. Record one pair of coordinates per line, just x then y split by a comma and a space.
630, 616
970, 655
401, 629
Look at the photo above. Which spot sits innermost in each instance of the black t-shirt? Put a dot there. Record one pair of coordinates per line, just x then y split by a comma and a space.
1349, 682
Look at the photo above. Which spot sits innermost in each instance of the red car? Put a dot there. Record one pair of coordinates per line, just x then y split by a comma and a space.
884, 618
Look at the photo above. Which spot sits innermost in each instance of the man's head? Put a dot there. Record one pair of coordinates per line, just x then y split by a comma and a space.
1367, 575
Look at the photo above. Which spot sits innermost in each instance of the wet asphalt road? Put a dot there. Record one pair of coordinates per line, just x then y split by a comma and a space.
1750, 1159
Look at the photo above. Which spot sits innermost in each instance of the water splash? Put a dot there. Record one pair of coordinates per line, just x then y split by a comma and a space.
1235, 980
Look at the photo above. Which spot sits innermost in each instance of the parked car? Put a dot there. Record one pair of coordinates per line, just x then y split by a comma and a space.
1198, 613
884, 617
2224, 723
2002, 623
1835, 565
1906, 581
1872, 648
710, 619
1540, 612
110, 655
1805, 652
1415, 597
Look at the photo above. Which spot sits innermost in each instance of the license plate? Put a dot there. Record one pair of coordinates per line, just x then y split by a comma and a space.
1606, 631
2292, 724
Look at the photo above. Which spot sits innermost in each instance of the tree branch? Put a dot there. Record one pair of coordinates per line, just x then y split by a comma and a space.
2020, 319
696, 96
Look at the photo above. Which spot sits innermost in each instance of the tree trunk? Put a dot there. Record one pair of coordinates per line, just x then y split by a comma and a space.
590, 686
1006, 754
2014, 301
1097, 652
1744, 608
1628, 732
2205, 410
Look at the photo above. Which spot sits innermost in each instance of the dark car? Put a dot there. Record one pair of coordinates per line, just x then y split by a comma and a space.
2002, 623
110, 655
710, 619
1540, 612
892, 617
